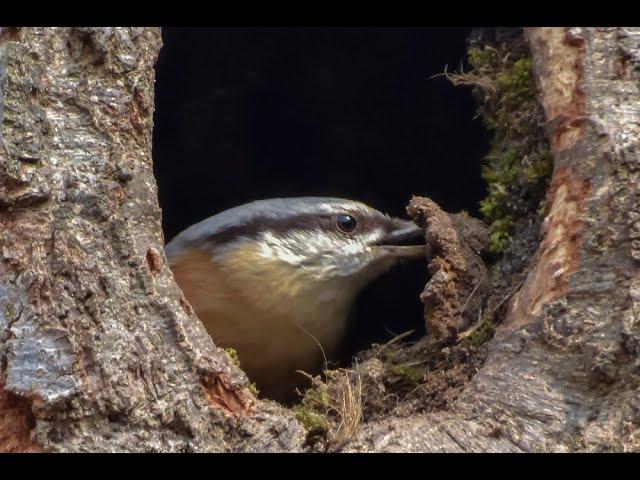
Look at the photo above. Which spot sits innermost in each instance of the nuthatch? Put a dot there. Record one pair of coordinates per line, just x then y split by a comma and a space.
275, 279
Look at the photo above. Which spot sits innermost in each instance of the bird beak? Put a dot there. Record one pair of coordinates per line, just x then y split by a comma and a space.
404, 231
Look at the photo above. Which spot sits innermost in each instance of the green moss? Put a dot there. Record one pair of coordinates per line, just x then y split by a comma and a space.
310, 419
410, 373
233, 354
482, 334
516, 83
313, 411
389, 355
501, 231
325, 405
542, 168
519, 163
481, 60
254, 389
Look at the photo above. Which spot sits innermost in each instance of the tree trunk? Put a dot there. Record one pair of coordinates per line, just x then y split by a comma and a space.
100, 352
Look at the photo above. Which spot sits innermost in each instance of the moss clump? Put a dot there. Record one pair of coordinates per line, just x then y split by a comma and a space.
253, 388
233, 355
519, 163
313, 411
398, 371
311, 420
331, 409
482, 334
409, 373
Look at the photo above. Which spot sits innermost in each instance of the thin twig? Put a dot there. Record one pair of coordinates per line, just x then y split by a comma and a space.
326, 363
394, 340
509, 295
464, 307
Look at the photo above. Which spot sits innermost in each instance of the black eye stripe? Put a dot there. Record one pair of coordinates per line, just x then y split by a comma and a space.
280, 225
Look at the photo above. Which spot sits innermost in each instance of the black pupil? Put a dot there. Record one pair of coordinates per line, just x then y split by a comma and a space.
346, 223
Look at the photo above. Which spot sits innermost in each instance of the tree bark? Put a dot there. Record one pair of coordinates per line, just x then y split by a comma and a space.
100, 352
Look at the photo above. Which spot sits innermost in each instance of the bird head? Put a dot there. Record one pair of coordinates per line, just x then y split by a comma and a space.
321, 241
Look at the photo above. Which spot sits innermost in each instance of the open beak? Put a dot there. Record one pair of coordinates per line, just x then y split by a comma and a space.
398, 241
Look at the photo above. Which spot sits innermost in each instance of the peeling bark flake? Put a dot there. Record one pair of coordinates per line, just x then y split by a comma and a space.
559, 253
221, 396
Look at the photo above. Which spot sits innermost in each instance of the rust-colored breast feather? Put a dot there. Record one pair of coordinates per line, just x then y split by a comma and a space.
271, 347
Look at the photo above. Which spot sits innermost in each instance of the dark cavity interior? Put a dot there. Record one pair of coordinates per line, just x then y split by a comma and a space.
250, 113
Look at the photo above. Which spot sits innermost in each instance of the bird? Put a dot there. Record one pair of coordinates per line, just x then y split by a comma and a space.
276, 279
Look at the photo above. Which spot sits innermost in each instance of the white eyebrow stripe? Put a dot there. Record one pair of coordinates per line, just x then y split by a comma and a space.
297, 246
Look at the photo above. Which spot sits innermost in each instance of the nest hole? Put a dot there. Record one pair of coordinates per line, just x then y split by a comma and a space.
249, 113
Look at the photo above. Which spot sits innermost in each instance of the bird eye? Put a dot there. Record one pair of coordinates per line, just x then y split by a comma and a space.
346, 223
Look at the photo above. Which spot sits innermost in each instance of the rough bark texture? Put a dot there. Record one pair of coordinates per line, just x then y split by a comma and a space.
563, 368
98, 350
